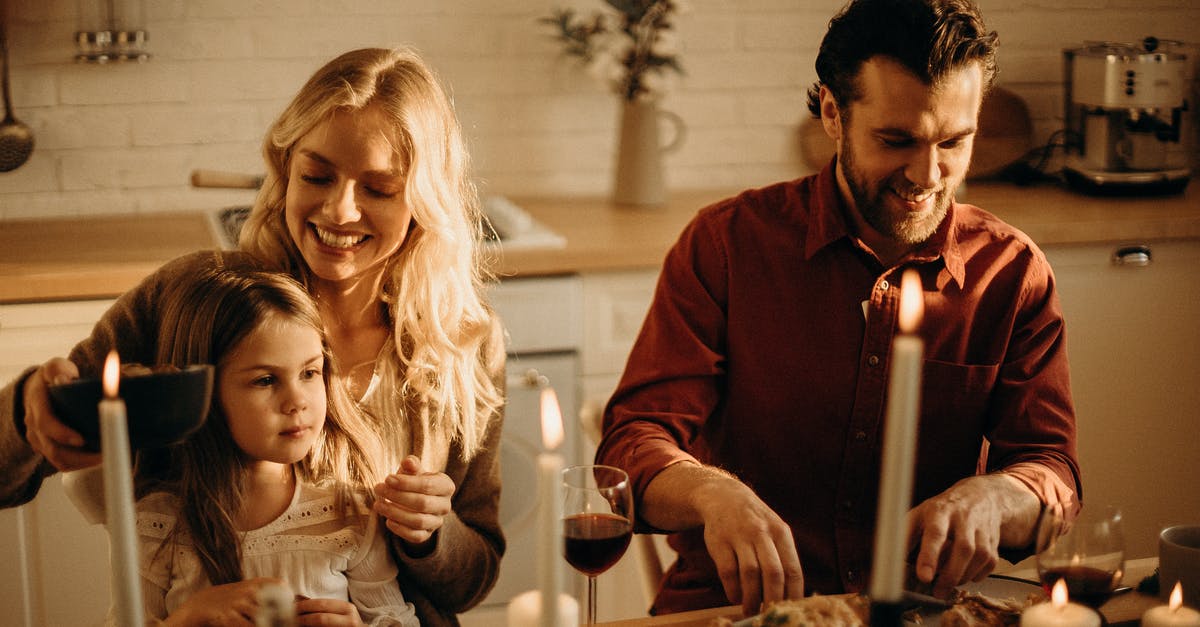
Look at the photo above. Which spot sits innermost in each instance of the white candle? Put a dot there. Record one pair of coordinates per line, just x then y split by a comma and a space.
1173, 614
525, 610
118, 499
899, 446
1059, 612
550, 466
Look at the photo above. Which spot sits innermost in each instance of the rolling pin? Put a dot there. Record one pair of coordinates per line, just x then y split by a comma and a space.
228, 180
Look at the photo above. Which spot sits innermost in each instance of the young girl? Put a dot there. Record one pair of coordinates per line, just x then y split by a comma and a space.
264, 488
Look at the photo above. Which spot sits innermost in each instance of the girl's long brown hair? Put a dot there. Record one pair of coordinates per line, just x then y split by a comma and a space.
204, 317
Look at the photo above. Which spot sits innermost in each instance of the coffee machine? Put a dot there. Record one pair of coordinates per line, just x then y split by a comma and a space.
1129, 116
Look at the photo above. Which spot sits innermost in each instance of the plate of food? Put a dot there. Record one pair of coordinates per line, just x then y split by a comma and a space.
993, 602
997, 600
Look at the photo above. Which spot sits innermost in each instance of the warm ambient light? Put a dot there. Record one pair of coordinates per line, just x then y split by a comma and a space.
1058, 595
112, 374
552, 426
912, 305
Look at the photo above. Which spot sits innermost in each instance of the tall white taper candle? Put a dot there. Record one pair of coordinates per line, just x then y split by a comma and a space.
550, 467
118, 499
899, 447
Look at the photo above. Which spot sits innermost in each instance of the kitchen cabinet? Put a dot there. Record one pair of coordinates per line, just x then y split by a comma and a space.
54, 564
1133, 341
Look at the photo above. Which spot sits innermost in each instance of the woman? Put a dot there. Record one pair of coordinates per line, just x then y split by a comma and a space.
367, 201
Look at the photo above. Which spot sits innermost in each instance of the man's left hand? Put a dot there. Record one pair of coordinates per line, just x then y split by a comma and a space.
959, 531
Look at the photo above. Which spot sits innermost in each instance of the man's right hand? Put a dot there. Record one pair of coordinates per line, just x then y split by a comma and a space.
46, 434
750, 544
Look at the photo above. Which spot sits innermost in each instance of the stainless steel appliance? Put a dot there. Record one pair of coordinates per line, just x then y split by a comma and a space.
1129, 116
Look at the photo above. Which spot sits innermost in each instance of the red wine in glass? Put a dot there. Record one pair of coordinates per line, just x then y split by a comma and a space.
1085, 584
594, 542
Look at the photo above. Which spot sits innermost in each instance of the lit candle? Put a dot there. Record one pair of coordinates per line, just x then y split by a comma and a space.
1173, 614
118, 499
899, 445
525, 608
1059, 612
550, 466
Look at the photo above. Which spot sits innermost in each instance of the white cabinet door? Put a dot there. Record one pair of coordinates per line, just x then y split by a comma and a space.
53, 565
614, 307
1133, 339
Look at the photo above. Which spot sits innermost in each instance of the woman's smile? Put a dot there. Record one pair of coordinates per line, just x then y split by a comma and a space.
340, 241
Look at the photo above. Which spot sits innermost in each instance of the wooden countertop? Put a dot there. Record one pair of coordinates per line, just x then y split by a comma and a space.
102, 256
1119, 611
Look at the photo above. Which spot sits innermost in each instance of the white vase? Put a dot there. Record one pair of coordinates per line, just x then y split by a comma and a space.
639, 175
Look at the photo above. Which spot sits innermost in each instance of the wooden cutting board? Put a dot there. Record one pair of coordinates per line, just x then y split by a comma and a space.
1005, 135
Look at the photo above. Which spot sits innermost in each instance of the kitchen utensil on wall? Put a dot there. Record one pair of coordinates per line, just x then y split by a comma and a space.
16, 139
1127, 130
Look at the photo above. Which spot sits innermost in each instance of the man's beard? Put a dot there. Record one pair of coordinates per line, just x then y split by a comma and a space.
906, 228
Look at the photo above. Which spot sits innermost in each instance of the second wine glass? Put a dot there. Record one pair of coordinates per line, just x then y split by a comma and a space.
1088, 553
597, 522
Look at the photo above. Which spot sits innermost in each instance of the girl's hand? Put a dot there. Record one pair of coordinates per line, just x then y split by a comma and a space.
414, 503
225, 605
320, 612
46, 434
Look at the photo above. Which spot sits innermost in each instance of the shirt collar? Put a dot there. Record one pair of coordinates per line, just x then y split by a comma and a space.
828, 224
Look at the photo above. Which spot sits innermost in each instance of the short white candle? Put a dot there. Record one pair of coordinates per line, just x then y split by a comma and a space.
899, 446
1059, 612
1173, 614
118, 499
550, 466
525, 610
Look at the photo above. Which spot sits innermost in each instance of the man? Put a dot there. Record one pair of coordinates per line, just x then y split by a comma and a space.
750, 415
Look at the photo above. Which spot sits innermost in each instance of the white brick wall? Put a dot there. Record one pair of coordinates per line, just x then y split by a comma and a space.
124, 138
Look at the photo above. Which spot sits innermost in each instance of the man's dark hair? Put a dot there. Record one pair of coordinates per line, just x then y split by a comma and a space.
928, 37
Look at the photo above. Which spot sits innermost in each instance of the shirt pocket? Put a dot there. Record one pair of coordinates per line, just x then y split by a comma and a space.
954, 420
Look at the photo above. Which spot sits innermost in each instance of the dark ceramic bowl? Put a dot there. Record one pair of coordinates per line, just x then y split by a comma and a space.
162, 407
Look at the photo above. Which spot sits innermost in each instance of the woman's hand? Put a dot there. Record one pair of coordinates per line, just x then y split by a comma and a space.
224, 605
332, 612
46, 434
414, 503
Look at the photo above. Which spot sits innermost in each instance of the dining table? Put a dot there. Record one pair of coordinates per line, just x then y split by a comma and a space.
1124, 609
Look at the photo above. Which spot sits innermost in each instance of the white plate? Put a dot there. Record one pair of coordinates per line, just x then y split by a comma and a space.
995, 586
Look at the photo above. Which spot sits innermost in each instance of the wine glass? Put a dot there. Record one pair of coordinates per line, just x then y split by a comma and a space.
597, 522
1088, 553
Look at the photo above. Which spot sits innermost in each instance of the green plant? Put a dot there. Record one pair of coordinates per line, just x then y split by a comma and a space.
629, 47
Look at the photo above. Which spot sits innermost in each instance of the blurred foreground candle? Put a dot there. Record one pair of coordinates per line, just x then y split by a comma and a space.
118, 498
547, 606
550, 467
899, 445
1059, 612
1173, 614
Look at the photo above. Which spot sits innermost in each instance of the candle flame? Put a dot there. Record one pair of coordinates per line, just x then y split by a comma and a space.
1176, 599
1058, 595
552, 426
912, 303
112, 374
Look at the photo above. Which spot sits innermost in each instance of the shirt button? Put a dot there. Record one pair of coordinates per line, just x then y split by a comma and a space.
873, 360
860, 435
850, 575
883, 285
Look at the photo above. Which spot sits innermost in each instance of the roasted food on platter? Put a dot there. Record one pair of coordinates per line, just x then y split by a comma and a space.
970, 609
842, 610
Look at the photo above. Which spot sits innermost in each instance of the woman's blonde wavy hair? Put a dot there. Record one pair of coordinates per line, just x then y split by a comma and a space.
437, 373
